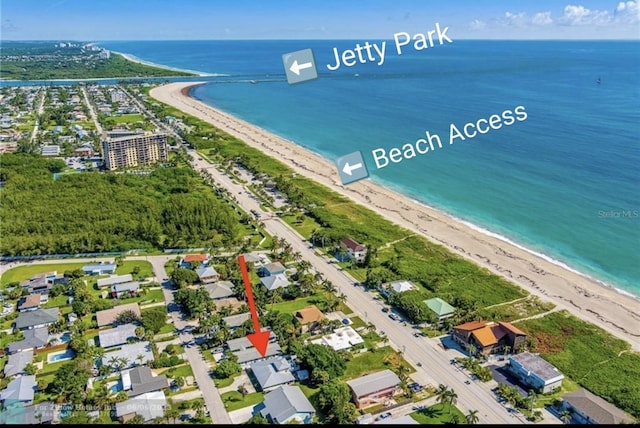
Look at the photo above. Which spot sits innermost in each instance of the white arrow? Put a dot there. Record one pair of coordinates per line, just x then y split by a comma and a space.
295, 67
348, 169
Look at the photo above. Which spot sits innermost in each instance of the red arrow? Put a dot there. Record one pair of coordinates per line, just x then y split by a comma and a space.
259, 339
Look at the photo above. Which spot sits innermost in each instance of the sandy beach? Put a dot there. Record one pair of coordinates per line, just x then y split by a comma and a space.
131, 58
586, 298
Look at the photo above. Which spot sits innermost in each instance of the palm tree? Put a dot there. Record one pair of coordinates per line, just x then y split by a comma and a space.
197, 405
472, 417
472, 349
532, 398
506, 349
565, 416
172, 413
441, 393
452, 398
140, 359
242, 389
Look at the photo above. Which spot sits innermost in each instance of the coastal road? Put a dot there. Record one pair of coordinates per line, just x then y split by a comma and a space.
436, 365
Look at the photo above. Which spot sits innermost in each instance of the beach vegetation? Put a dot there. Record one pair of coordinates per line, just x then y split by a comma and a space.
590, 356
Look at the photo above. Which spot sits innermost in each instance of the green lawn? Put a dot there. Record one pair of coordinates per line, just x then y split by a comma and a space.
208, 356
369, 362
127, 118
305, 227
57, 301
438, 414
233, 400
221, 383
291, 306
179, 371
167, 328
127, 266
21, 273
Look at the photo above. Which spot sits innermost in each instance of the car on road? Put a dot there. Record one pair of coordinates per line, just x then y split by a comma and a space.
394, 317
467, 382
385, 309
384, 415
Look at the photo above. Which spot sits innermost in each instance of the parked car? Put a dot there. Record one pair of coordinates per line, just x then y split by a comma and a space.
385, 415
385, 309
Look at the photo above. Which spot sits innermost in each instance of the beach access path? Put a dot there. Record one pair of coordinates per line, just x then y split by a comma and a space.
586, 298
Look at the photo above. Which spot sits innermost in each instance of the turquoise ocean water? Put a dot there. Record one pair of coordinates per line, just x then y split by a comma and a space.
563, 183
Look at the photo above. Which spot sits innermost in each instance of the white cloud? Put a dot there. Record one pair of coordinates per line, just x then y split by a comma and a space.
580, 15
627, 12
476, 24
542, 18
514, 19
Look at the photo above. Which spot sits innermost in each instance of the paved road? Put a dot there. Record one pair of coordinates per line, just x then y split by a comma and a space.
436, 367
42, 94
92, 111
200, 368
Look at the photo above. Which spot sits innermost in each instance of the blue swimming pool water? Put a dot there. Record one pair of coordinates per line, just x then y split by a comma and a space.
117, 387
65, 337
66, 355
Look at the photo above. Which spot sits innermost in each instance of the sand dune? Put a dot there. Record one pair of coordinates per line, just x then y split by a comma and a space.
588, 299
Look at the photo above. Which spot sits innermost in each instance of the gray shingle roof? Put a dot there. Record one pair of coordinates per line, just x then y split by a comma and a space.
275, 281
34, 338
143, 381
115, 279
272, 372
220, 289
373, 382
20, 389
274, 267
17, 362
41, 413
37, 317
596, 408
126, 286
116, 336
284, 402
235, 321
130, 352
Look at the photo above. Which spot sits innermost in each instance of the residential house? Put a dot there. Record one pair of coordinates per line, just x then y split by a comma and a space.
247, 353
374, 388
341, 338
140, 380
99, 269
587, 408
17, 362
396, 287
35, 338
42, 283
131, 354
442, 309
287, 404
38, 318
36, 414
29, 303
114, 279
190, 260
272, 372
258, 259
125, 288
535, 372
207, 274
309, 318
235, 321
50, 150
355, 251
20, 391
150, 406
275, 268
220, 290
489, 337
116, 336
108, 316
276, 281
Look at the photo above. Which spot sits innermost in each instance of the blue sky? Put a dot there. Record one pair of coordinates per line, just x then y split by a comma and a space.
94, 20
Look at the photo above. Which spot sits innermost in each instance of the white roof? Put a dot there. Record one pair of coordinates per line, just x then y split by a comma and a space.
341, 338
402, 286
115, 279
275, 281
150, 405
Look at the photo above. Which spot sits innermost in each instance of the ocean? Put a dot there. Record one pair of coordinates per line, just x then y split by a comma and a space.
563, 183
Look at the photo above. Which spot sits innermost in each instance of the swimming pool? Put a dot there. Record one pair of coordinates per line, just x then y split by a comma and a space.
66, 336
67, 354
116, 387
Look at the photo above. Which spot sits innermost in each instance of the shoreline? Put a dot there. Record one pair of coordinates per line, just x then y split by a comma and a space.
137, 60
614, 310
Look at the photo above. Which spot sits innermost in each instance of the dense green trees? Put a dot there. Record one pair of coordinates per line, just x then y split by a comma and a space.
321, 360
226, 369
193, 302
182, 277
153, 319
94, 212
412, 304
71, 380
333, 399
